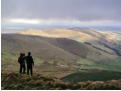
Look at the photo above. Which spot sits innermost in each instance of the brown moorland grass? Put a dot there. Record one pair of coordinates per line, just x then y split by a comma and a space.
14, 81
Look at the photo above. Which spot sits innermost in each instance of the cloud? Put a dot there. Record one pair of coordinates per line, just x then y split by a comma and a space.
77, 9
68, 22
24, 21
70, 13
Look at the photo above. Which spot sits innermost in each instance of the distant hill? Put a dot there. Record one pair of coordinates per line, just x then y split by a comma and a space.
79, 34
105, 40
60, 33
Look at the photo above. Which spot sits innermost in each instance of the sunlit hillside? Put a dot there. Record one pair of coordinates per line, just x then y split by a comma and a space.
79, 34
113, 36
60, 33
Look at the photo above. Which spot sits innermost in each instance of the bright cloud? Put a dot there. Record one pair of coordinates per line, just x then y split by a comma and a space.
24, 21
63, 22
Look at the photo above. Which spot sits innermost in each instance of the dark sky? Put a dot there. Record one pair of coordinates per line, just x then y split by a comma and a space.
60, 12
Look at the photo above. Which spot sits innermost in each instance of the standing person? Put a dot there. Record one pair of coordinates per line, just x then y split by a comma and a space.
30, 63
24, 57
21, 61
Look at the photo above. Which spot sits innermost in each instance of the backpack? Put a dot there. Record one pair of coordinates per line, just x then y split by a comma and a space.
20, 59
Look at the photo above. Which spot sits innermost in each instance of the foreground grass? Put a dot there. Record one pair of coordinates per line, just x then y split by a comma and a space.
14, 81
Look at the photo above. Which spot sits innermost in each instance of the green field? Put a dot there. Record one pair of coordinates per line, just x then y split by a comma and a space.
92, 76
114, 65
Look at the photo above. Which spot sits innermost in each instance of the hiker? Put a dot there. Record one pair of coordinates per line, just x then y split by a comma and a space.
30, 63
21, 61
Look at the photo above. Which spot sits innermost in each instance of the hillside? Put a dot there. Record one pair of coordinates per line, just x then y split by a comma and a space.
14, 81
56, 55
105, 40
59, 33
44, 52
79, 34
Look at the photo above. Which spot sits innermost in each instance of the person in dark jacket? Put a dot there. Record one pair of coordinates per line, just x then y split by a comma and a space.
30, 63
21, 61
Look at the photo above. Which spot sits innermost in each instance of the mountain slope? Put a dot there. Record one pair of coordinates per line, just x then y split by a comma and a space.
60, 33
54, 55
109, 41
42, 51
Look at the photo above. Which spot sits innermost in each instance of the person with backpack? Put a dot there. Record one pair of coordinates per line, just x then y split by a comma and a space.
21, 61
30, 63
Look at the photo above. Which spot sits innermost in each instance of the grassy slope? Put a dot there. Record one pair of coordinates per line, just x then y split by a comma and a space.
45, 54
114, 65
14, 81
93, 76
60, 33
53, 55
112, 39
107, 41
